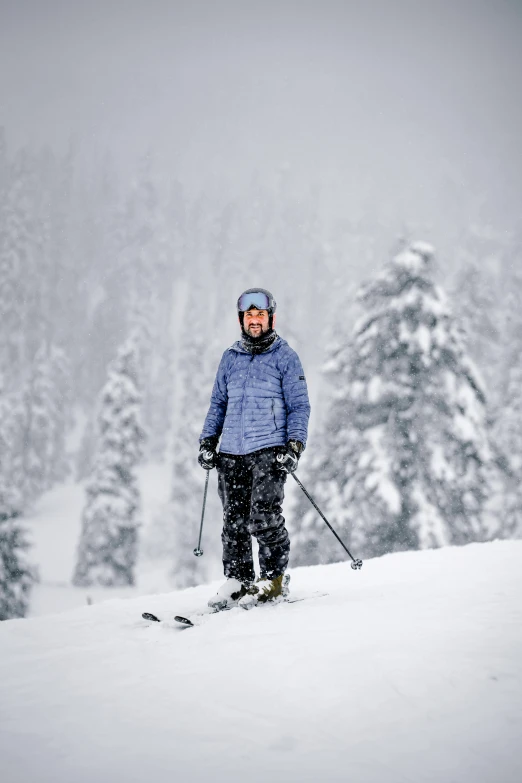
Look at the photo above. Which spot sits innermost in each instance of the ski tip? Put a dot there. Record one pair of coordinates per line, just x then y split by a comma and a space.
183, 620
152, 617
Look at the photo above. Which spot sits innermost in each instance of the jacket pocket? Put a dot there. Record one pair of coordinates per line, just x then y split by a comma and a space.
278, 424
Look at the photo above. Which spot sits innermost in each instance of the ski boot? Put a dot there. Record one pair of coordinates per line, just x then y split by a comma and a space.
228, 594
266, 591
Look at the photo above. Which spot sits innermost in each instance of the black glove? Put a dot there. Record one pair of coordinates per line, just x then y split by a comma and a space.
289, 459
207, 453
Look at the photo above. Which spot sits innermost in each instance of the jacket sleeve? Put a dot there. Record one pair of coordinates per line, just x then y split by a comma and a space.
218, 403
295, 393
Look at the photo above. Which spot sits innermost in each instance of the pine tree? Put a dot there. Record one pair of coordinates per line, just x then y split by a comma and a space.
406, 451
16, 575
86, 453
12, 424
476, 304
62, 303
108, 545
511, 298
16, 262
47, 418
509, 437
3, 165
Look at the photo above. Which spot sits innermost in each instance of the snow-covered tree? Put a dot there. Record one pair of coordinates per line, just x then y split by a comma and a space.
405, 452
63, 301
476, 299
107, 550
16, 257
508, 433
511, 299
86, 453
47, 417
12, 421
11, 437
16, 575
3, 164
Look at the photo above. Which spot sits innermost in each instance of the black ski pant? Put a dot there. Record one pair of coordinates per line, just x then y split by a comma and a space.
251, 488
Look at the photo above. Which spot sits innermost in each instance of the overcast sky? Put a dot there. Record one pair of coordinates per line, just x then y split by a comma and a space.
412, 108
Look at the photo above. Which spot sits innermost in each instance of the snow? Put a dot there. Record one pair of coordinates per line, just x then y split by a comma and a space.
411, 261
374, 388
424, 338
422, 248
421, 336
379, 477
463, 428
431, 528
56, 517
409, 670
441, 467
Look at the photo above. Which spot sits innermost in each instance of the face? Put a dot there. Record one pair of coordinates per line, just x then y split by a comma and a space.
255, 322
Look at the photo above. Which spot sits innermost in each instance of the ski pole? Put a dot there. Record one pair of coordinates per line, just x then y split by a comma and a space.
198, 551
356, 563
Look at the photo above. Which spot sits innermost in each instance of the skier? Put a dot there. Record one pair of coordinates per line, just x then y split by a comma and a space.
259, 405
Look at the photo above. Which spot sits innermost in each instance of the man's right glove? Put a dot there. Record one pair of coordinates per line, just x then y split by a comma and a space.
207, 453
289, 459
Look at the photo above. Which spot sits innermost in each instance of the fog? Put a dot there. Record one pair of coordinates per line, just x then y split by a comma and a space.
410, 110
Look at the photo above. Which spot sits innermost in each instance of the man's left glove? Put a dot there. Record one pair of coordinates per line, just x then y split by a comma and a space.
289, 459
207, 453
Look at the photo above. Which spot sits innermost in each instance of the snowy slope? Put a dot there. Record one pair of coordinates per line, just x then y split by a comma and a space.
410, 670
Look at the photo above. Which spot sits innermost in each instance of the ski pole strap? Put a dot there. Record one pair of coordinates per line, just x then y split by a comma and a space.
357, 564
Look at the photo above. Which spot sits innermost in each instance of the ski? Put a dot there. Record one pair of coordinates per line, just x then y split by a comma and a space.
183, 620
151, 617
188, 623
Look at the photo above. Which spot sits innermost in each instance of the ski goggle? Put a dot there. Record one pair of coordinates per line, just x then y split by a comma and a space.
257, 299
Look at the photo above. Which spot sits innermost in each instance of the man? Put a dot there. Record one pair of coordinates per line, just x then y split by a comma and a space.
259, 407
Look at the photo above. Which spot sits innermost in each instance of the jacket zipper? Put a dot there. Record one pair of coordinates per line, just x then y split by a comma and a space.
243, 405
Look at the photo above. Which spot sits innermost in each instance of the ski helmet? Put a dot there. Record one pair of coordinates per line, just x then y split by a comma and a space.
258, 298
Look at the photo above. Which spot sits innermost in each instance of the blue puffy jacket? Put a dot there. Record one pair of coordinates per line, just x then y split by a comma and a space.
258, 400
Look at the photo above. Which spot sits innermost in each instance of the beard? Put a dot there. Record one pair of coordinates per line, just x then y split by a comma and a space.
258, 334
261, 342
